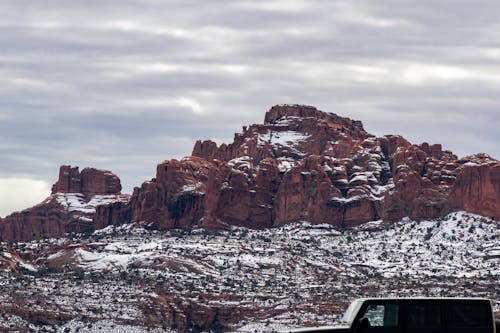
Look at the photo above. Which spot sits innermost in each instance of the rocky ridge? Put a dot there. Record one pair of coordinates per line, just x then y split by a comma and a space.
76, 205
302, 164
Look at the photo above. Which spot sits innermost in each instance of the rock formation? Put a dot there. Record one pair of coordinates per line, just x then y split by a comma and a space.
301, 164
72, 206
89, 182
305, 164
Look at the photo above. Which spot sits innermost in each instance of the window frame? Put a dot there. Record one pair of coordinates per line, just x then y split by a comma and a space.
370, 302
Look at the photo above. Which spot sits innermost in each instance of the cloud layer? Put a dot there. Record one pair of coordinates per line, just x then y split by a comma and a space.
17, 194
123, 85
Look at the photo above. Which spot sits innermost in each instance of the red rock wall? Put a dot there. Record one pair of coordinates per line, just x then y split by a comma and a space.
115, 213
37, 222
52, 219
428, 182
90, 181
95, 181
477, 190
69, 180
301, 165
176, 197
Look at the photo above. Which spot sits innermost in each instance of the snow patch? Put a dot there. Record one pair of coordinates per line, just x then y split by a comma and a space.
286, 164
76, 202
284, 139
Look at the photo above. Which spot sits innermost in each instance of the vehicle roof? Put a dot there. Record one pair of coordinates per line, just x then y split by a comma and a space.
312, 329
424, 298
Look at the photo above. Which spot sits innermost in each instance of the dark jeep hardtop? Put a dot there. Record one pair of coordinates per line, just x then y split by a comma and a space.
414, 315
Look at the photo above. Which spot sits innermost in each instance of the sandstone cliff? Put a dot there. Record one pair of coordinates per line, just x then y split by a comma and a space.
301, 164
305, 164
89, 182
71, 207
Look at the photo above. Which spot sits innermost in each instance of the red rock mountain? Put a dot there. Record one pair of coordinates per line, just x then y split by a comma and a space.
301, 164
304, 164
74, 204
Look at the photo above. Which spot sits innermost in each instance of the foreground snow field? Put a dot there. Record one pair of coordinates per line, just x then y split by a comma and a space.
129, 279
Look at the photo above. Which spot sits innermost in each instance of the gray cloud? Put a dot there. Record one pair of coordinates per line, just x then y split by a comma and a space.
123, 85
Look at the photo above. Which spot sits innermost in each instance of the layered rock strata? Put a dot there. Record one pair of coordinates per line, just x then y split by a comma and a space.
89, 182
79, 202
305, 164
301, 164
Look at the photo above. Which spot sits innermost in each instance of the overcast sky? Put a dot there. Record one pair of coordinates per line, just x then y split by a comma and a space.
123, 85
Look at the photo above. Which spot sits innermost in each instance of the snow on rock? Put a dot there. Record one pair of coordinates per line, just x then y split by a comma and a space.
284, 139
77, 202
189, 188
294, 275
109, 326
16, 261
244, 162
286, 164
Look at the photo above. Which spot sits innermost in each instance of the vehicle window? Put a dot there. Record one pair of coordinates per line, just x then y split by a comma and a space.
469, 315
382, 315
424, 316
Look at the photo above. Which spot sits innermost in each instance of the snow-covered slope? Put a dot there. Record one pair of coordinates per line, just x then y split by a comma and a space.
245, 280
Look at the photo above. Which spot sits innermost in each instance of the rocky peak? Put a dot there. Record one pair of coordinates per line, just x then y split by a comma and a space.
89, 182
278, 112
305, 113
289, 131
306, 164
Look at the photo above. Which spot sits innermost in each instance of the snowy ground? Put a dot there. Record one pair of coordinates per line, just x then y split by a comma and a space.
128, 279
